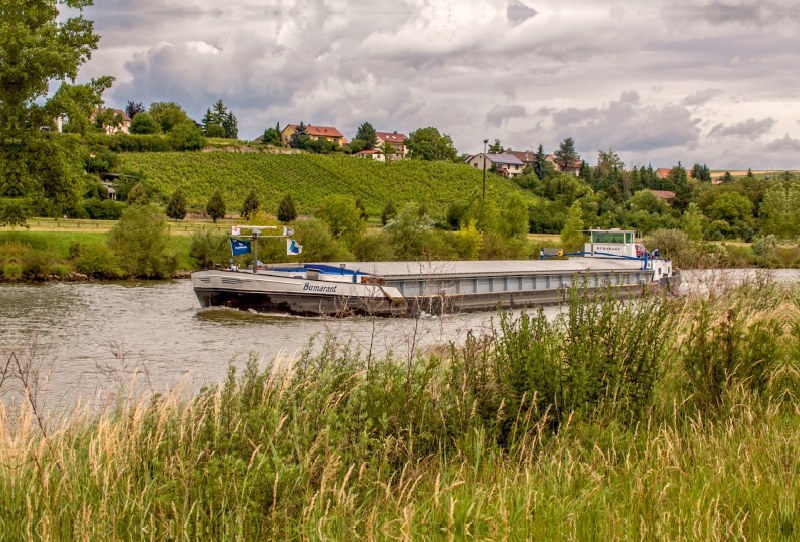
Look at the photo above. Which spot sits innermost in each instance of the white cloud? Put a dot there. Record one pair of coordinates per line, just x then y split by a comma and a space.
521, 71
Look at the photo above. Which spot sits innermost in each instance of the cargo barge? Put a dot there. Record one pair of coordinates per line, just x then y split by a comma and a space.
413, 288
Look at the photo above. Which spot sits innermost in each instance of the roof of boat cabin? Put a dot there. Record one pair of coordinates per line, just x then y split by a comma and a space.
488, 268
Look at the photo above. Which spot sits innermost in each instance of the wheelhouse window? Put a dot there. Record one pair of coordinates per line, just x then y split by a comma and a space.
608, 237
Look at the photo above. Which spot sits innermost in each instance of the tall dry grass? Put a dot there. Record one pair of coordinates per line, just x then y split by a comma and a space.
599, 425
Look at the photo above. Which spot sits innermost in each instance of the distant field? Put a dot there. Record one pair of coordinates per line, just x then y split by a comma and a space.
311, 178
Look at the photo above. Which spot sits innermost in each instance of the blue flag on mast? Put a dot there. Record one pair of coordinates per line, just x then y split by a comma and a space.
240, 247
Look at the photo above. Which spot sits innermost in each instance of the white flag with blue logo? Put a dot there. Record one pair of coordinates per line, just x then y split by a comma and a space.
287, 231
292, 248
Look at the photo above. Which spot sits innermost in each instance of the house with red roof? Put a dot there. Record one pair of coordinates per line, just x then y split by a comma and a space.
374, 154
398, 141
328, 133
573, 169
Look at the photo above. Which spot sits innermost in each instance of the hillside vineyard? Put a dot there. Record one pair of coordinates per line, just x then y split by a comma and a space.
311, 178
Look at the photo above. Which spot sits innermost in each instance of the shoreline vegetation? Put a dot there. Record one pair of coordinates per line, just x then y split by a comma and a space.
662, 418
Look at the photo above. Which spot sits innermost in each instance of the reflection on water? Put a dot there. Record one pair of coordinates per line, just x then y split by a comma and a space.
160, 326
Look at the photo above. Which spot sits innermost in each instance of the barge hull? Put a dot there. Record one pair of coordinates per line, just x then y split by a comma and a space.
321, 305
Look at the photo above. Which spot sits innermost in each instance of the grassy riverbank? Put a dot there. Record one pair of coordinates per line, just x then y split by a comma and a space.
37, 255
667, 418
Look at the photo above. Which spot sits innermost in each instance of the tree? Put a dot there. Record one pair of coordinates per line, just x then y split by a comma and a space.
572, 235
749, 173
342, 217
496, 147
141, 242
186, 137
514, 218
299, 137
176, 205
287, 211
366, 133
144, 123
271, 137
134, 108
357, 145
219, 113
39, 46
407, 232
731, 206
645, 200
208, 120
388, 150
251, 205
429, 144
566, 156
727, 177
168, 115
540, 163
585, 172
701, 173
388, 213
215, 130
216, 206
362, 208
137, 195
676, 178
231, 126
778, 212
692, 223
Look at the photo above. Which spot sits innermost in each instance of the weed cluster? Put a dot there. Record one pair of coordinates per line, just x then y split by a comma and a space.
653, 418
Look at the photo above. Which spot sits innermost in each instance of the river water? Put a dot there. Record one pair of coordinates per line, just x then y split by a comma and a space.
87, 338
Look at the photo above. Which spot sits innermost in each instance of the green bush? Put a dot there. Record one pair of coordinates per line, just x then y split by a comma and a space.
36, 265
141, 241
12, 271
209, 248
105, 209
96, 260
59, 270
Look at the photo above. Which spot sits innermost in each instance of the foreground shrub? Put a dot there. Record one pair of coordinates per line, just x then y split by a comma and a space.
96, 260
36, 264
12, 271
59, 270
209, 248
140, 240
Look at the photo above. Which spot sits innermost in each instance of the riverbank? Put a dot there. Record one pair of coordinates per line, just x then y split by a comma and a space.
618, 420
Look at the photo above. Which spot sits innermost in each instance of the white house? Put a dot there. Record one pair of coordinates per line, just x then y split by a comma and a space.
371, 155
507, 165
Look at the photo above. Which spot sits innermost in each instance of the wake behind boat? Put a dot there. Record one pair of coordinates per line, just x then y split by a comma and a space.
411, 288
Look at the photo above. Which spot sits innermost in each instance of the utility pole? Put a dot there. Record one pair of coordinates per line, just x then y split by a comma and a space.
256, 232
485, 142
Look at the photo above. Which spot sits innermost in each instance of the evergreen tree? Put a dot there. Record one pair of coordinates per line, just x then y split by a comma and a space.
585, 172
176, 205
389, 212
366, 133
250, 206
727, 177
231, 126
287, 211
635, 180
216, 206
540, 163
220, 112
208, 120
749, 173
137, 195
299, 137
566, 155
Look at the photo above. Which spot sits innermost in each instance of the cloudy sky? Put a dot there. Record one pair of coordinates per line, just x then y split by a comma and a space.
658, 81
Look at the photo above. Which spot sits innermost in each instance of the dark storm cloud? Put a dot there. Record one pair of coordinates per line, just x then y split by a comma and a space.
626, 125
783, 145
518, 13
499, 113
750, 129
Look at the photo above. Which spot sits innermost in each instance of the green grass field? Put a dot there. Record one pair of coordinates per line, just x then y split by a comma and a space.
310, 178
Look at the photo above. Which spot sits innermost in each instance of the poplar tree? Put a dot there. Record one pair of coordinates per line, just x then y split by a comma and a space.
287, 211
216, 206
39, 47
251, 205
176, 206
540, 163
